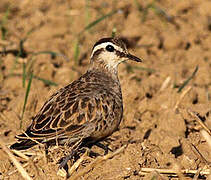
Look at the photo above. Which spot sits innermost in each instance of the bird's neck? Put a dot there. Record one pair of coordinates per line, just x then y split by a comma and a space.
105, 70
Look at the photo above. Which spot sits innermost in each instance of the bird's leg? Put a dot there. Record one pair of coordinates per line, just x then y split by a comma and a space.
104, 147
63, 161
46, 146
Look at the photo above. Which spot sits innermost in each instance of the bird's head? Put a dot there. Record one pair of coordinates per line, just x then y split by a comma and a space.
109, 52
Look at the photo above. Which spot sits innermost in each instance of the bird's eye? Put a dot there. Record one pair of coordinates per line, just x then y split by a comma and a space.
110, 48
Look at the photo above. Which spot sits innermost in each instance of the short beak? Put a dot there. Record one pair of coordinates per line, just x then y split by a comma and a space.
133, 58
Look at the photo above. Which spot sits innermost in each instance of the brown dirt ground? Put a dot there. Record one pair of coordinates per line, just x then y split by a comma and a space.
157, 128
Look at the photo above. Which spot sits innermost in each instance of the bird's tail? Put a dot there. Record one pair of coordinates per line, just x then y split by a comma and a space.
23, 144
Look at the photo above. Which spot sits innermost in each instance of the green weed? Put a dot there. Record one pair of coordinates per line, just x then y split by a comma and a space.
26, 97
188, 80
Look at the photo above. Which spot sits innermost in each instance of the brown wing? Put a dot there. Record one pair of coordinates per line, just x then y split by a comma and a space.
72, 110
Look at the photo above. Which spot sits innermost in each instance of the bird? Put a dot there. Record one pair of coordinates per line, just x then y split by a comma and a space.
87, 110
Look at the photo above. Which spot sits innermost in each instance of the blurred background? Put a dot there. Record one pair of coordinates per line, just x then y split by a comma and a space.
45, 45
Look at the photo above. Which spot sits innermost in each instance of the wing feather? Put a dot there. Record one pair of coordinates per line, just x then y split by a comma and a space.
78, 109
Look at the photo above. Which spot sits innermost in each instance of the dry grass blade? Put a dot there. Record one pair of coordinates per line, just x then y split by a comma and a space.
194, 114
77, 163
63, 173
20, 154
165, 83
15, 161
4, 42
207, 137
42, 145
96, 161
174, 172
181, 97
32, 153
157, 176
14, 171
199, 154
197, 174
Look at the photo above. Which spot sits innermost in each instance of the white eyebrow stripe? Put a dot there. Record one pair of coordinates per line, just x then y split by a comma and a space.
103, 45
